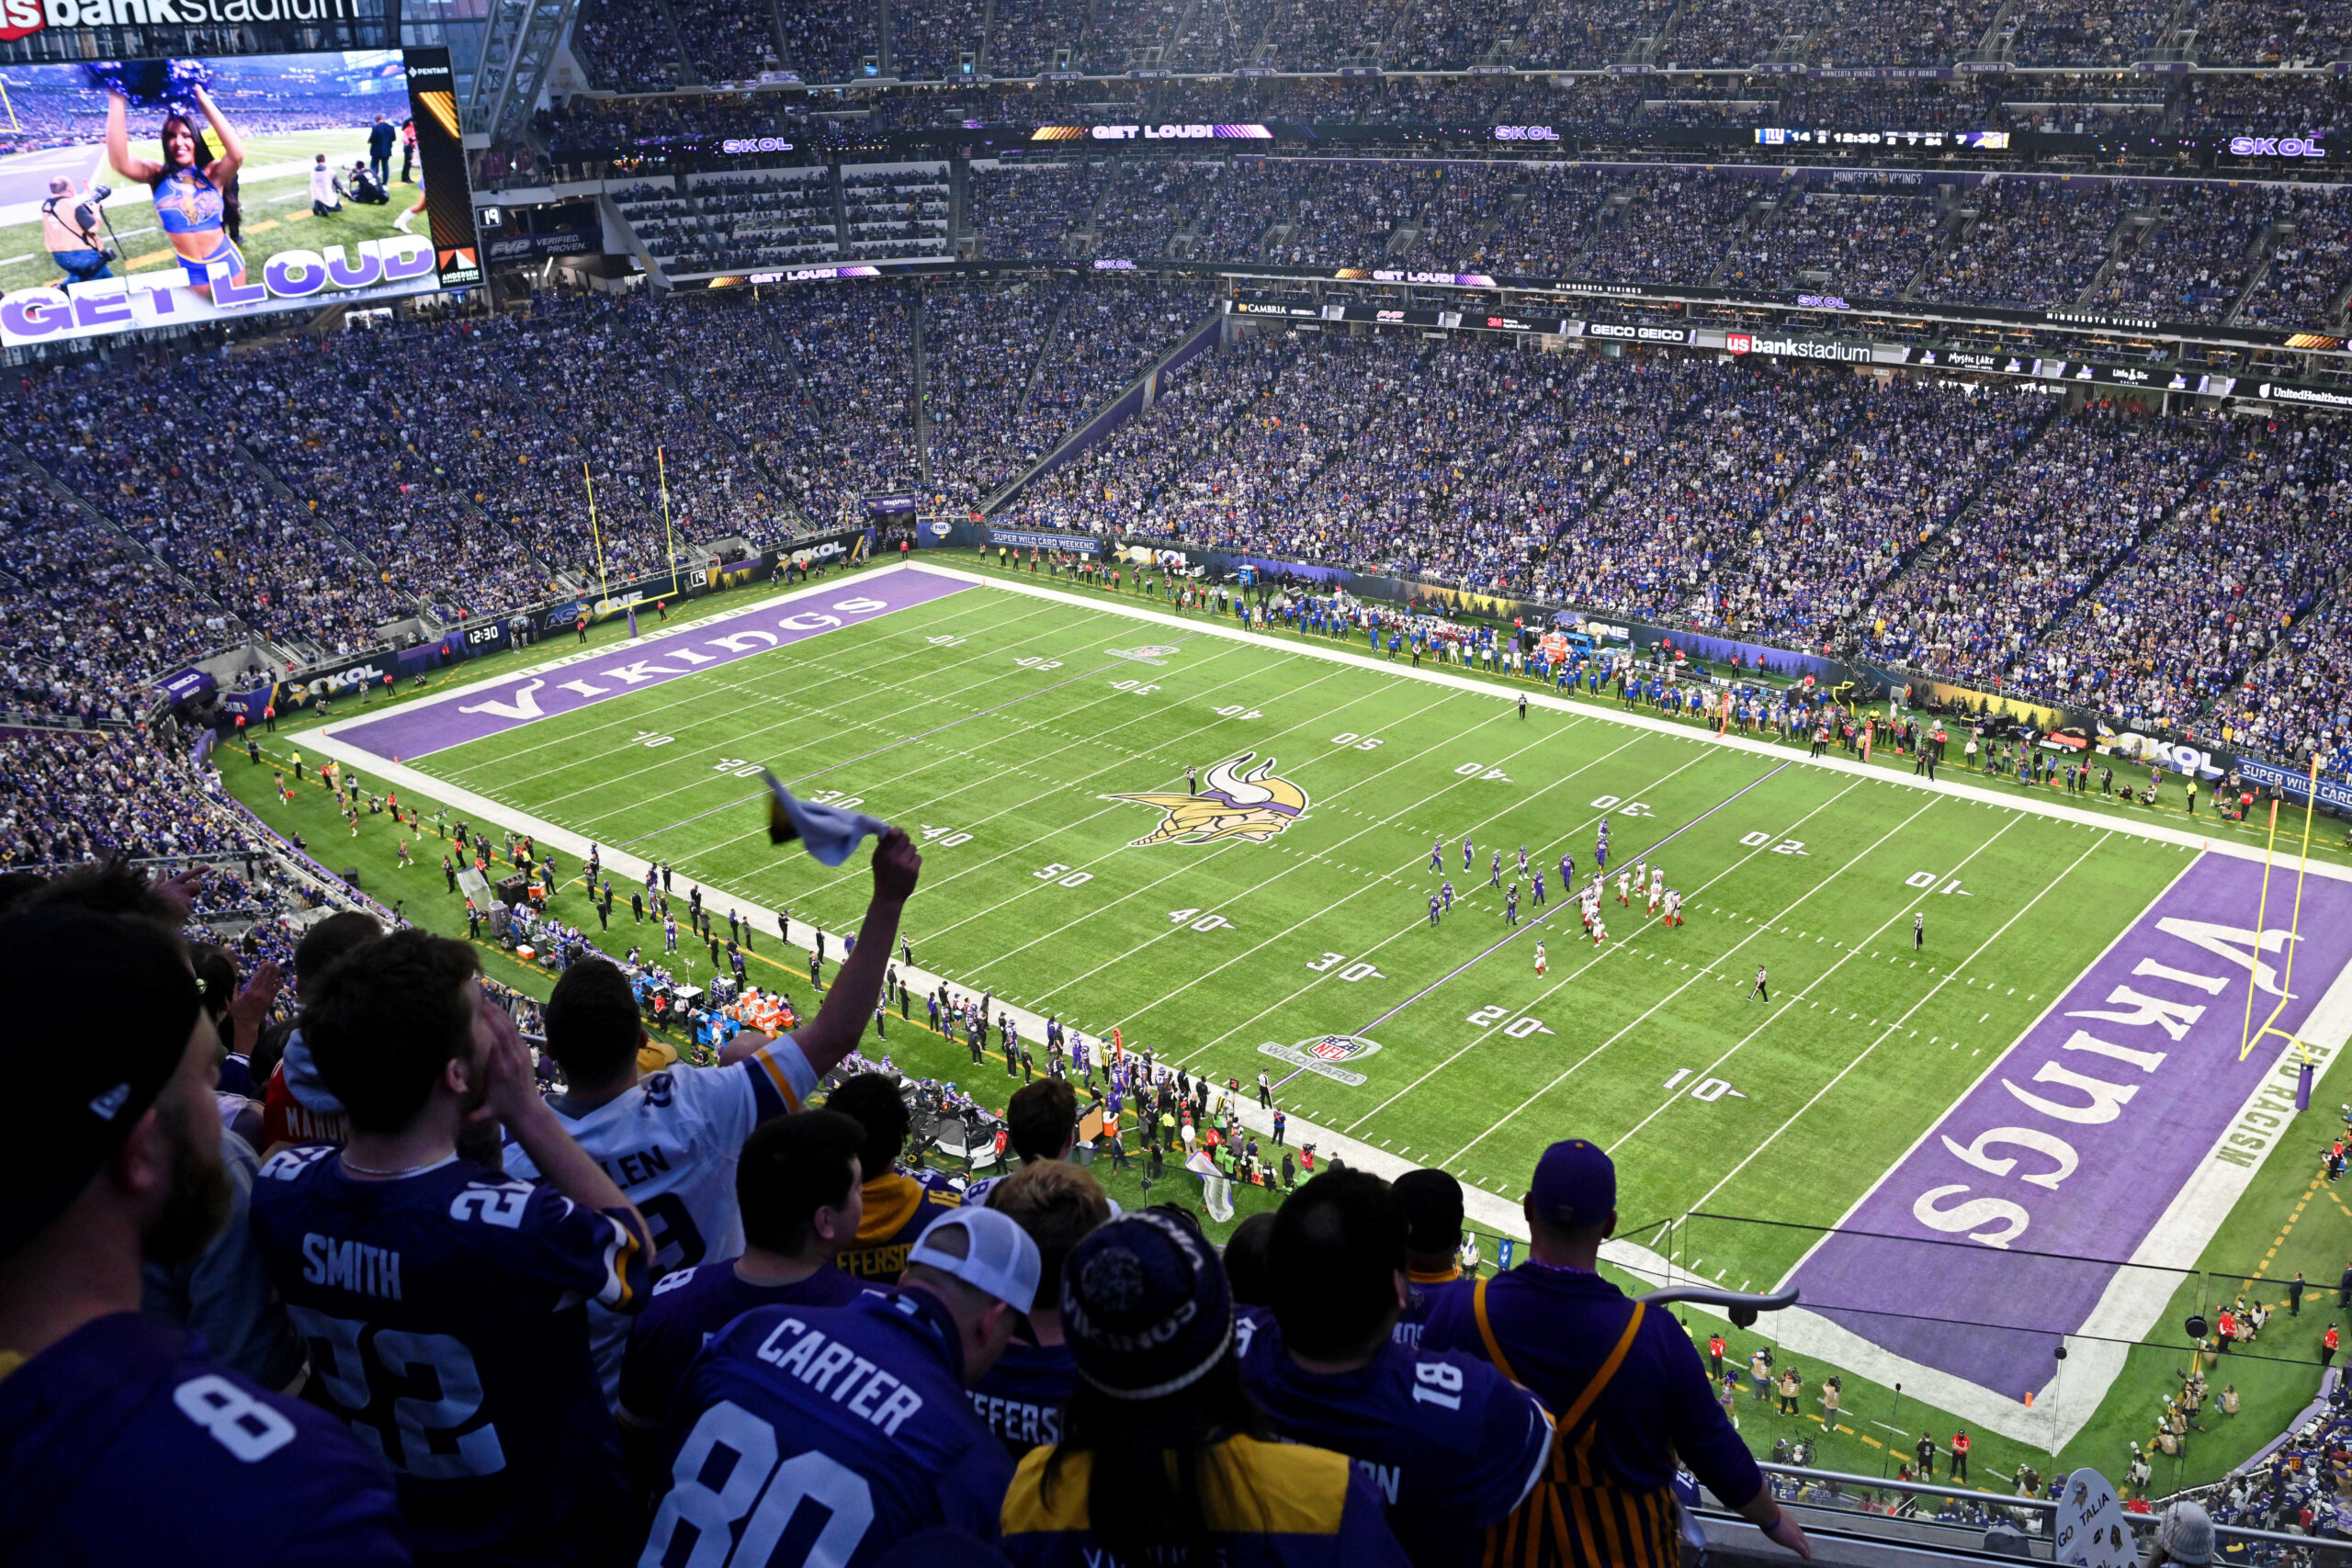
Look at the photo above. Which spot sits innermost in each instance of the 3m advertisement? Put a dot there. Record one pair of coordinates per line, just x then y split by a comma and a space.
157, 192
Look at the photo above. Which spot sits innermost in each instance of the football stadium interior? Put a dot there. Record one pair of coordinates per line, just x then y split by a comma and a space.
1366, 689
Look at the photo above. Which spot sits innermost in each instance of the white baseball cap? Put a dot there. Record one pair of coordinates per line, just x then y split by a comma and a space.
987, 1250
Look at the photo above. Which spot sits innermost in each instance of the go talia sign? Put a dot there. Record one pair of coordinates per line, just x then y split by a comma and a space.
394, 265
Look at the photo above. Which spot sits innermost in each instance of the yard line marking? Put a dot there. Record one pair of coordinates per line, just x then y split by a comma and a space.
892, 746
1678, 990
1536, 920
1874, 1045
744, 684
1410, 926
1775, 1015
1451, 784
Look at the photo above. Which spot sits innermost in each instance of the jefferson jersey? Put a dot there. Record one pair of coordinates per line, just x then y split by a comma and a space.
846, 1424
121, 1436
899, 1209
691, 1305
1449, 1443
442, 1311
1021, 1398
671, 1143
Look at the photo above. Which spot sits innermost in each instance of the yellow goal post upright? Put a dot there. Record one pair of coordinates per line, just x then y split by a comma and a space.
2249, 1036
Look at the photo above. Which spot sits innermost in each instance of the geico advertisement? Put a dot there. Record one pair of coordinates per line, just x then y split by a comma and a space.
396, 266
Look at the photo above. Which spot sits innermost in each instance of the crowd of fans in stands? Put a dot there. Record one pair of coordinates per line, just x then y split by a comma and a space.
639, 49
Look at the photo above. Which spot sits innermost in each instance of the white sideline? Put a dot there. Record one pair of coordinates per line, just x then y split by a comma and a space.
2059, 1410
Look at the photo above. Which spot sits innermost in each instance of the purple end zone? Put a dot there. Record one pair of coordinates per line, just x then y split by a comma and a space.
427, 727
2083, 1135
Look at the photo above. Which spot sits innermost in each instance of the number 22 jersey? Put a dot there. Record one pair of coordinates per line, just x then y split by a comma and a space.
443, 1311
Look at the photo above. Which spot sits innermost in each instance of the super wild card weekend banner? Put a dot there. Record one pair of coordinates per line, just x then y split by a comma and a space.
150, 192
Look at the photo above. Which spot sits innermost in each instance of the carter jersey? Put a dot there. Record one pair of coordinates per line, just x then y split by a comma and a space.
1450, 1444
125, 1444
442, 1311
671, 1143
1021, 1398
687, 1307
858, 1409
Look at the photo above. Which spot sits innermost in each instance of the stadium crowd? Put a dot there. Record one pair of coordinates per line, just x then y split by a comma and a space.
844, 40
343, 1165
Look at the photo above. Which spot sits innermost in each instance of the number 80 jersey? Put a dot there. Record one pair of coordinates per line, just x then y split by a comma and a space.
443, 1314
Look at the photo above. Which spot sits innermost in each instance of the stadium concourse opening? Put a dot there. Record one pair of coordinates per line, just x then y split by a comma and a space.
1555, 782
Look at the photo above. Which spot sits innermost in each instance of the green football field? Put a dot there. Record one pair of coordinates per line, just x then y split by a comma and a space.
1001, 726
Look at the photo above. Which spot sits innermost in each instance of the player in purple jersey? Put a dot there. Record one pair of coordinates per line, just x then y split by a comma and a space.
1624, 1382
121, 1442
798, 1183
1021, 1398
849, 1423
1451, 1444
1163, 1456
441, 1303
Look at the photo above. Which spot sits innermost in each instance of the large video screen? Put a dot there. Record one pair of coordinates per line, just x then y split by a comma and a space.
152, 192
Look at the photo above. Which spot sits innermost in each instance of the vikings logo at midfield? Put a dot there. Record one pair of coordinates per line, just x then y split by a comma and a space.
1254, 805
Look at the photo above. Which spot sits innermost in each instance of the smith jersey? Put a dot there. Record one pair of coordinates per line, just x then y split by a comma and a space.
443, 1314
899, 1209
688, 1306
825, 1435
1021, 1398
1306, 1509
121, 1443
671, 1143
1449, 1443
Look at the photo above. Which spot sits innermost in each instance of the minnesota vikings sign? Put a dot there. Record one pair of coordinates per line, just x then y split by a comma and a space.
1254, 805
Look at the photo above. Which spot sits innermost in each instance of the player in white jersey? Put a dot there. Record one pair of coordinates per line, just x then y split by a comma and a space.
670, 1139
1673, 907
1657, 882
1542, 966
1625, 889
1641, 873
1600, 931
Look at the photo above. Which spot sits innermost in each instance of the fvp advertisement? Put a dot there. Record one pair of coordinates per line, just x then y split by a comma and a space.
153, 192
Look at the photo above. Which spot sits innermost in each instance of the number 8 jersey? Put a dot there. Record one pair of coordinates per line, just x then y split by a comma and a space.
442, 1311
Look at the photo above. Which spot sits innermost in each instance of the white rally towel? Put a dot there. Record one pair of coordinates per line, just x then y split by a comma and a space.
831, 833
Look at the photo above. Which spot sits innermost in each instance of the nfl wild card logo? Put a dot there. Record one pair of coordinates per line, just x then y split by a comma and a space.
1254, 805
1150, 653
1324, 1054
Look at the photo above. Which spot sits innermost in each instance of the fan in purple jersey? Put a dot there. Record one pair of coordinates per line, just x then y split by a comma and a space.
443, 1304
668, 1138
1641, 1397
1452, 1445
858, 1410
1021, 1398
1163, 1456
897, 1207
796, 1184
121, 1440
1432, 1204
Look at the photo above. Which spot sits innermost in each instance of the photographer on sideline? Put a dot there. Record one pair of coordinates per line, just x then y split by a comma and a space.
70, 230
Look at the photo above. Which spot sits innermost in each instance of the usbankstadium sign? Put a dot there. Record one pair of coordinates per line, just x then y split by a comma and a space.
22, 18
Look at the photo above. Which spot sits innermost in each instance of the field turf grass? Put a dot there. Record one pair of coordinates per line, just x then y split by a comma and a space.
995, 727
